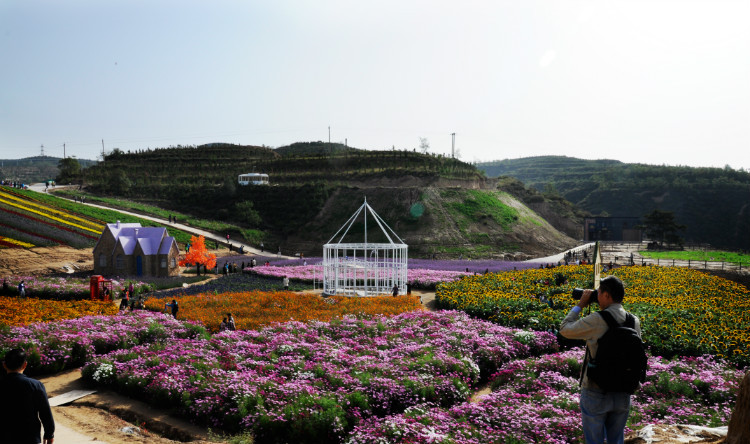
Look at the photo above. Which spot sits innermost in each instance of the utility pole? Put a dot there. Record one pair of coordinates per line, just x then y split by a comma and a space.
102, 149
63, 151
453, 145
42, 150
330, 148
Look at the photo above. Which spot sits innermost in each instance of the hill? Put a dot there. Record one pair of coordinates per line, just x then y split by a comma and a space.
34, 169
438, 205
713, 203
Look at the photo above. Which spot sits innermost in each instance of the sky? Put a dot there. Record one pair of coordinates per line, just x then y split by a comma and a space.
655, 82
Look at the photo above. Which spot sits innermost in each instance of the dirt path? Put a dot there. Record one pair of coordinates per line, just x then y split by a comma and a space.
106, 417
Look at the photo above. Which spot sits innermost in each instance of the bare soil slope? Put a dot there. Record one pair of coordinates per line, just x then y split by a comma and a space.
44, 261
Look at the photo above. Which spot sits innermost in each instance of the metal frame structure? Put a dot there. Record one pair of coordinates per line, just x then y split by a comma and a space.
364, 269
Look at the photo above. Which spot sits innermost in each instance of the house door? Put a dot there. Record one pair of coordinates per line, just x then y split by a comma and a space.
139, 265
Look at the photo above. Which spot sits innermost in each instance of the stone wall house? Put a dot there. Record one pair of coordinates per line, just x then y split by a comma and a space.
131, 250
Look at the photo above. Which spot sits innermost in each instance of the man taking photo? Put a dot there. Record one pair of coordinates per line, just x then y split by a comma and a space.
604, 412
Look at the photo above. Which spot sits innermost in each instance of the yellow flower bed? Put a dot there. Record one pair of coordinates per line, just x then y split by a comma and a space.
254, 309
15, 242
682, 311
24, 311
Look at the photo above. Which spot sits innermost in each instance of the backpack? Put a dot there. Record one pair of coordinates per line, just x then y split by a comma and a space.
621, 362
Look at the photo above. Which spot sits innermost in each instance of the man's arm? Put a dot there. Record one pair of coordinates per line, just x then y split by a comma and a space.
45, 415
574, 328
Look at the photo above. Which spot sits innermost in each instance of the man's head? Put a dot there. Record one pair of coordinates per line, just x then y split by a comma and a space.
15, 360
613, 285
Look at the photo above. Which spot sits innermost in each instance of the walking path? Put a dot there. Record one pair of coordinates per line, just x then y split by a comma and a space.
39, 187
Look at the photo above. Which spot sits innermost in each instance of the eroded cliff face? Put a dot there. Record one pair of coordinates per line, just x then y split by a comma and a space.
447, 221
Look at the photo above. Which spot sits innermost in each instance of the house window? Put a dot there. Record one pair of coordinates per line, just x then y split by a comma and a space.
173, 263
119, 261
163, 262
102, 260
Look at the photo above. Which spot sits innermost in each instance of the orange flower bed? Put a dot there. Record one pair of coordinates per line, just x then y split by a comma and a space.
255, 309
21, 311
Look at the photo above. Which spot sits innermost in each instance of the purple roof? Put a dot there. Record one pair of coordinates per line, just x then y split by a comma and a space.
152, 240
167, 245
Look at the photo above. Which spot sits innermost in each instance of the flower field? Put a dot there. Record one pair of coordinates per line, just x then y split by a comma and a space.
65, 289
473, 266
70, 343
419, 277
31, 222
255, 309
314, 382
234, 282
25, 311
535, 400
302, 368
683, 312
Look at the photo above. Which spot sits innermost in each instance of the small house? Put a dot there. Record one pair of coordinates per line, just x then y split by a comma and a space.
133, 250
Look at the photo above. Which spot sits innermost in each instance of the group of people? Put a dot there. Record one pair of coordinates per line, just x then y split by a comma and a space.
13, 184
132, 303
227, 324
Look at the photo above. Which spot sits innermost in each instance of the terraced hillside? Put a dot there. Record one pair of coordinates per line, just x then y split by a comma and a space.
316, 187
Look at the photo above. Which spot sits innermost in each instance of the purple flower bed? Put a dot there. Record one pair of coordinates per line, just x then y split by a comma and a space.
421, 273
65, 288
56, 346
299, 382
473, 266
420, 278
536, 400
428, 264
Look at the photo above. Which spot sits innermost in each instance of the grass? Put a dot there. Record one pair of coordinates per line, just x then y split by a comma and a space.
699, 256
253, 236
477, 205
108, 216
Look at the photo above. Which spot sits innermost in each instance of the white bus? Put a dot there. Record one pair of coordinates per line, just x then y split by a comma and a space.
253, 179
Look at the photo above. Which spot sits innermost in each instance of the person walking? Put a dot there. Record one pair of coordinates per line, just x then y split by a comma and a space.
231, 326
223, 326
395, 290
22, 288
24, 408
604, 414
286, 283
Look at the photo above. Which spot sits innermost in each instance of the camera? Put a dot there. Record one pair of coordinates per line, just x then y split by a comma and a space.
578, 292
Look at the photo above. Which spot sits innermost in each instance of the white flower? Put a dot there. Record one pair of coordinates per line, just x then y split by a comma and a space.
104, 372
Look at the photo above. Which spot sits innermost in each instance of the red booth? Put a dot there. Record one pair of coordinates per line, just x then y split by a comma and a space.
101, 289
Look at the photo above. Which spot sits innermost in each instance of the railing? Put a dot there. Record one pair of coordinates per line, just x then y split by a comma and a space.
619, 254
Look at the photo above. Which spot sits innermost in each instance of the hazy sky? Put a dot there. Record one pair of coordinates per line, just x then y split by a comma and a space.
657, 82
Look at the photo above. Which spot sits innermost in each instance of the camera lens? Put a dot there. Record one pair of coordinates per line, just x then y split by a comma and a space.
578, 293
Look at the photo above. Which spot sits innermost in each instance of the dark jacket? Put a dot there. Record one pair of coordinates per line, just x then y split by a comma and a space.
23, 403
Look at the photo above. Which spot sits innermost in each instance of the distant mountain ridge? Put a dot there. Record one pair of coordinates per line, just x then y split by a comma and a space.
714, 203
34, 169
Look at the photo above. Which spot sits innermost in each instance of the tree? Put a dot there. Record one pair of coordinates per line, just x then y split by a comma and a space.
424, 145
245, 212
198, 255
660, 226
70, 169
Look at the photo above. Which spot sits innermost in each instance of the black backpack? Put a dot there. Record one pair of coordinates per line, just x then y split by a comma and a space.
621, 361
